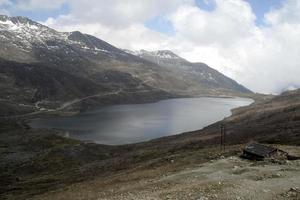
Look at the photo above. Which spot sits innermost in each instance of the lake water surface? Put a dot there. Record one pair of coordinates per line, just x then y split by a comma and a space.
123, 124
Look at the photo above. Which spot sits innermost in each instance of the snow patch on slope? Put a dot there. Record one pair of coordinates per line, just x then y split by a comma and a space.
24, 34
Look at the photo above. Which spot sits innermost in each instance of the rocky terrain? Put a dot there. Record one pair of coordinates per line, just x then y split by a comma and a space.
41, 68
224, 177
189, 165
211, 81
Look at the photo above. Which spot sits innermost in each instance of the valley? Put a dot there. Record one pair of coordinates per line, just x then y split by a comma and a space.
38, 161
47, 73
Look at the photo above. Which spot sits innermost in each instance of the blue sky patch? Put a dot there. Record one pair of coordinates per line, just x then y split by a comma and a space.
261, 7
160, 24
208, 5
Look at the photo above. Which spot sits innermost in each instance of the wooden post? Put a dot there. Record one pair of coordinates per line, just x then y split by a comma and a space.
221, 137
224, 135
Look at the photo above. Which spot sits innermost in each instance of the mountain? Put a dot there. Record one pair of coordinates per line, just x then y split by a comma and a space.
41, 68
204, 78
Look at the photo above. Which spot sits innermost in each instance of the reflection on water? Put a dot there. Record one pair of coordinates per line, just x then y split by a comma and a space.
124, 124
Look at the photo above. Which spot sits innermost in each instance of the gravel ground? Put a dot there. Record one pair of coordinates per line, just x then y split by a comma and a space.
226, 178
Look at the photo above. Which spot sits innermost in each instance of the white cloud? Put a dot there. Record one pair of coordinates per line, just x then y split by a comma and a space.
31, 5
118, 22
120, 13
289, 13
135, 36
222, 26
4, 12
5, 2
263, 58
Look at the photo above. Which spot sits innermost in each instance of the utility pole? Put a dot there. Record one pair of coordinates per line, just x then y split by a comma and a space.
222, 137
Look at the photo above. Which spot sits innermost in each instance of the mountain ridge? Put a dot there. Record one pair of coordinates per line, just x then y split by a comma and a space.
172, 61
90, 59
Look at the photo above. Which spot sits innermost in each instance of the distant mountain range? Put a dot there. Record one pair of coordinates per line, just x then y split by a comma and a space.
41, 68
201, 76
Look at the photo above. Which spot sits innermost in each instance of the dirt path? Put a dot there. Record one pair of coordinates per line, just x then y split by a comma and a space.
67, 104
75, 101
228, 178
63, 106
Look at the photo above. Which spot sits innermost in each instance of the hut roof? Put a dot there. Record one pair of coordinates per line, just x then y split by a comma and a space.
259, 150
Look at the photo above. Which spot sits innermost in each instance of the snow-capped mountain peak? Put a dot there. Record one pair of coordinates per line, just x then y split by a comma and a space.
25, 33
20, 34
159, 54
22, 24
165, 54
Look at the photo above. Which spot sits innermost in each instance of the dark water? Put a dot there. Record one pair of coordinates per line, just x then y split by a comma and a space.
124, 124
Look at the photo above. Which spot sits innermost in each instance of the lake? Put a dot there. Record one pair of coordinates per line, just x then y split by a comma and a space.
124, 124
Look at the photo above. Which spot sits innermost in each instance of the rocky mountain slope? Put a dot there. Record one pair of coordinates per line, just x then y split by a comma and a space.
201, 77
74, 65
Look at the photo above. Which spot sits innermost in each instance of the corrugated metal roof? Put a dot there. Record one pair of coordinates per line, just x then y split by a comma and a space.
259, 149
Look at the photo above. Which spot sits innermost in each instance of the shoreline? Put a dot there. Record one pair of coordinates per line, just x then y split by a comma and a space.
59, 111
66, 130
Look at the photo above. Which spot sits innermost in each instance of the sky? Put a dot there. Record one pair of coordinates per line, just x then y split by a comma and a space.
256, 42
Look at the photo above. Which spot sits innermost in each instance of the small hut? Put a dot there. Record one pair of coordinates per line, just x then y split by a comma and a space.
255, 151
